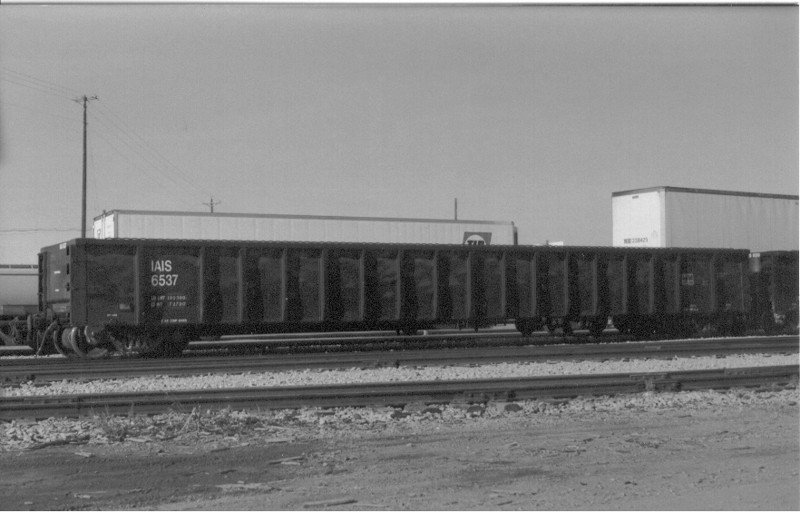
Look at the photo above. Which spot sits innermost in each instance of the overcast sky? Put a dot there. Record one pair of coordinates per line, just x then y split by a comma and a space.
531, 114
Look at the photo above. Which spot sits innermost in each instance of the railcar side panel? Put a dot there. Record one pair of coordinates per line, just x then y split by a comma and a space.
491, 282
345, 296
583, 284
426, 300
615, 277
774, 290
695, 286
456, 285
783, 281
306, 297
220, 284
524, 265
553, 285
731, 290
56, 279
639, 281
170, 286
273, 284
105, 285
385, 279
671, 284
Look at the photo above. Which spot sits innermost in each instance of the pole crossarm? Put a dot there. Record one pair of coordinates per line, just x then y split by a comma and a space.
211, 204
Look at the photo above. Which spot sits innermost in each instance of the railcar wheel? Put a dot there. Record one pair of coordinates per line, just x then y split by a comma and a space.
47, 342
78, 341
70, 338
10, 333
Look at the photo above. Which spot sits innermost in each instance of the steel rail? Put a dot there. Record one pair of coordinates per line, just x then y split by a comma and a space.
396, 393
14, 372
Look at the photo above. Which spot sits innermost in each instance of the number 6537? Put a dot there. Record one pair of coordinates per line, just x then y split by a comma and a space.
164, 279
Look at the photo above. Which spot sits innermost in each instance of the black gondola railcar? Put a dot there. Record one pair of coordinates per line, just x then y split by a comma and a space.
644, 291
153, 296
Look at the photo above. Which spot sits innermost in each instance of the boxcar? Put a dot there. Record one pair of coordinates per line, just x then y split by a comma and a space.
156, 295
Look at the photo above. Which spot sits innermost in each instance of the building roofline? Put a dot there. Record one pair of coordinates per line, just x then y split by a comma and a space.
703, 191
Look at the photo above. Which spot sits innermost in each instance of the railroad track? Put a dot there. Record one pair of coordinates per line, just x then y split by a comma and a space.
396, 393
16, 371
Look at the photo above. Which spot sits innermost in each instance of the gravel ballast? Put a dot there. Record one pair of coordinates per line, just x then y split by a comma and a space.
430, 373
316, 423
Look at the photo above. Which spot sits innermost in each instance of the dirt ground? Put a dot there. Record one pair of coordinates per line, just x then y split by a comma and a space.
712, 458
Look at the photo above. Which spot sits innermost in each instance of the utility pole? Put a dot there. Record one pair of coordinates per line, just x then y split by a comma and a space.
211, 204
84, 100
455, 208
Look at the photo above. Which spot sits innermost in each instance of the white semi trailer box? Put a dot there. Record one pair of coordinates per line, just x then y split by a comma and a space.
300, 228
688, 217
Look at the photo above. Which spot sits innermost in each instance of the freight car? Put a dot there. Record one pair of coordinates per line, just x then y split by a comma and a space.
17, 297
153, 296
774, 291
17, 289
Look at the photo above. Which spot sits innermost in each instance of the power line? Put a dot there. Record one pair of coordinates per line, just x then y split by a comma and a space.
137, 151
143, 144
37, 80
37, 230
40, 89
37, 84
113, 122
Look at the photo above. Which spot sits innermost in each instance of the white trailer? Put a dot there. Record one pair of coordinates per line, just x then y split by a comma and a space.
689, 217
299, 228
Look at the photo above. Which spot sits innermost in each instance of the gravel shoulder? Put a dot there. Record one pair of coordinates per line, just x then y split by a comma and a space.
321, 377
736, 450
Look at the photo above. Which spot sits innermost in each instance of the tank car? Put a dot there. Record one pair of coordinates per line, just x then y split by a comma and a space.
153, 296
